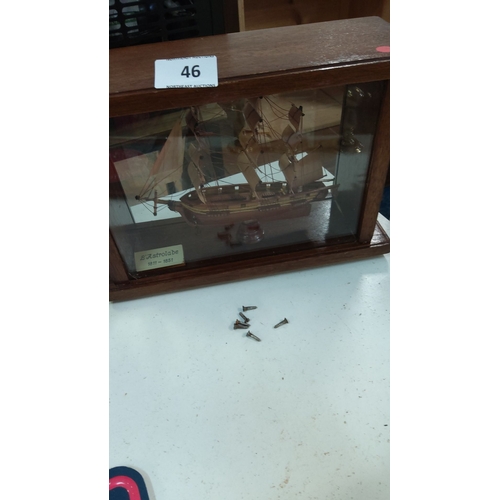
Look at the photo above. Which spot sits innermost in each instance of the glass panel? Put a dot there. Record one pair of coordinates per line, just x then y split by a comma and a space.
240, 179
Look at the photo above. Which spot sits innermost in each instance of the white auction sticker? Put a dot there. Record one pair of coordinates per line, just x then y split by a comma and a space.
186, 72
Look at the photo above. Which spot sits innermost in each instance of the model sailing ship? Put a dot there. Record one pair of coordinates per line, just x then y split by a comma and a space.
283, 172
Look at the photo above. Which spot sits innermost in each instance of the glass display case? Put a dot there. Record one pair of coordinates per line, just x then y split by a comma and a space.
234, 184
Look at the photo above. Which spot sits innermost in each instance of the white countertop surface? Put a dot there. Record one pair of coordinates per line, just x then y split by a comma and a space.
202, 412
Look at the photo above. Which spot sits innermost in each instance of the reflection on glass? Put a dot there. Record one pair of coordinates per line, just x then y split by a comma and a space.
220, 177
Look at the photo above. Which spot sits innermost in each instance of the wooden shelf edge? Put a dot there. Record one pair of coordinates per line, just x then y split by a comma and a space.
253, 268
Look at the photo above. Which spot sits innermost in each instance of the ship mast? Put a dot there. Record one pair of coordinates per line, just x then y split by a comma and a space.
167, 167
200, 154
309, 168
247, 159
195, 170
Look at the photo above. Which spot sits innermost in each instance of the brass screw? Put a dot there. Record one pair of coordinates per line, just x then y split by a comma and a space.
281, 323
245, 318
239, 325
252, 336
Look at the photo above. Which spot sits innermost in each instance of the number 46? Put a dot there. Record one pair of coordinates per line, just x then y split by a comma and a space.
194, 71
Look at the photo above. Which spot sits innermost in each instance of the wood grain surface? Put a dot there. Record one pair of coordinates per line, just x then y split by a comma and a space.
254, 63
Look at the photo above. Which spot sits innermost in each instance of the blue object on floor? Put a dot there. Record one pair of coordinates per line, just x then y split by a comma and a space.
126, 483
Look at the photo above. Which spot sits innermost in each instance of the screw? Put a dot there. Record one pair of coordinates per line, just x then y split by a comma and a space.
249, 308
281, 323
247, 320
240, 325
251, 335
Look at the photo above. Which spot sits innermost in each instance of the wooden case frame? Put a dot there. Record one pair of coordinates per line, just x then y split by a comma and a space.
251, 64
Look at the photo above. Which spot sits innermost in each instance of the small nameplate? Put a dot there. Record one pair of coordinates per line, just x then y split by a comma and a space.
159, 257
186, 72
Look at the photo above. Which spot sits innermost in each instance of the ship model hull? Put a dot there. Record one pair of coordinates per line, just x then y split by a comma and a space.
229, 204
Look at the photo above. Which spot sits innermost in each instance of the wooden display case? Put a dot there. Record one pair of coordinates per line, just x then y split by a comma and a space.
279, 167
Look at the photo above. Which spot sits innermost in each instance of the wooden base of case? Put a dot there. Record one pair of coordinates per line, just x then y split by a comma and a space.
252, 268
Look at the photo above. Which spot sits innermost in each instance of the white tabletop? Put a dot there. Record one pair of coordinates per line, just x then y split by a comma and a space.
204, 412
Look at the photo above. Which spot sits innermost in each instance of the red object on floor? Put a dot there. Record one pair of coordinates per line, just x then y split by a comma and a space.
130, 480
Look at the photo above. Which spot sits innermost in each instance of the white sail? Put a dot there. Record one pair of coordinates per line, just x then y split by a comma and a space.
252, 112
247, 167
300, 172
245, 136
287, 166
168, 165
295, 117
309, 168
291, 137
194, 154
